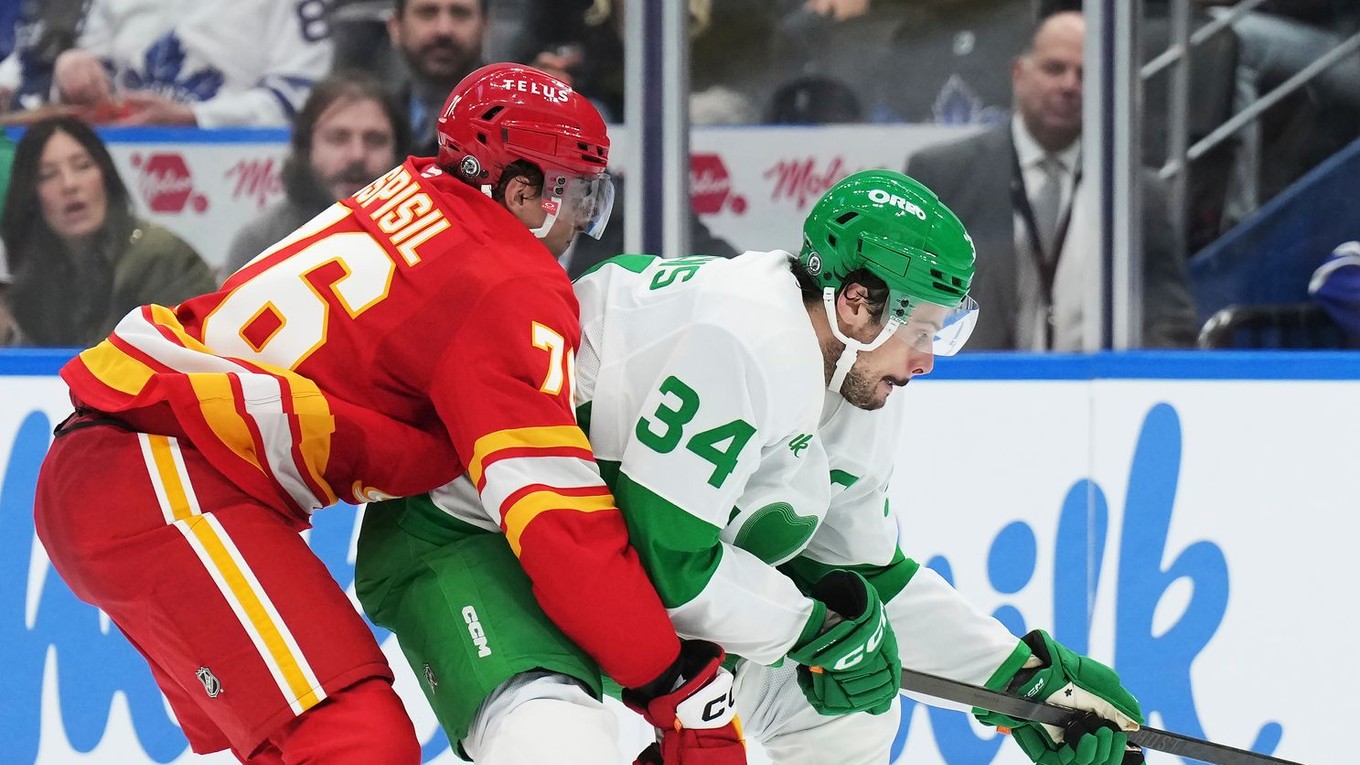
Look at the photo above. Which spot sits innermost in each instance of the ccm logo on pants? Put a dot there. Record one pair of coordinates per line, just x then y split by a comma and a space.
475, 630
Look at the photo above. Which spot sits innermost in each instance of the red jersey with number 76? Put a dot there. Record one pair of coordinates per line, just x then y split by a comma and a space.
410, 333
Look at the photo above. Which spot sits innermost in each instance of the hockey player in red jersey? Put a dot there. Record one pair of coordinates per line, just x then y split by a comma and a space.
417, 331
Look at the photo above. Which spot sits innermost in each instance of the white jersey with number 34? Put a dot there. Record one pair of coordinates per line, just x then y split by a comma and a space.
701, 385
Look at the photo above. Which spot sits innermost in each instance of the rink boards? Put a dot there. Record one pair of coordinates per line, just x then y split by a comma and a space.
1188, 518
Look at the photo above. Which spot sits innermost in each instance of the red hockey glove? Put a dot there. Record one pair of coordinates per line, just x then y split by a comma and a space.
694, 715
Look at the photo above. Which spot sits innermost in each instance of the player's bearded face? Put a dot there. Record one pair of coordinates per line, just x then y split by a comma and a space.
860, 388
876, 373
863, 386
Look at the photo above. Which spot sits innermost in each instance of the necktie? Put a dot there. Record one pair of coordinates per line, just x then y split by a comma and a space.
1045, 203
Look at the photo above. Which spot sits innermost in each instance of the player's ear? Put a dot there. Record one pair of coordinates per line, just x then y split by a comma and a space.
520, 194
852, 308
521, 198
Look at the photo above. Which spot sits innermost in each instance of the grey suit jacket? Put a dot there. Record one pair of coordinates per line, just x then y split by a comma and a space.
973, 177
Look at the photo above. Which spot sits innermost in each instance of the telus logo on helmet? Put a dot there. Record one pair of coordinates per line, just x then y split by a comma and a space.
554, 94
882, 197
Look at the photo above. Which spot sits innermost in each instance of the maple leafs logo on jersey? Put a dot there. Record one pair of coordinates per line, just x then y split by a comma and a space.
799, 443
163, 72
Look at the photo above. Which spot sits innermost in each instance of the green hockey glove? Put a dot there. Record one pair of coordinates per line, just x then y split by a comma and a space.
852, 666
1070, 680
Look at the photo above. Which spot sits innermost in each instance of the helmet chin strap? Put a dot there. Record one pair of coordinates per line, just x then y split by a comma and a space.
548, 222
550, 206
853, 347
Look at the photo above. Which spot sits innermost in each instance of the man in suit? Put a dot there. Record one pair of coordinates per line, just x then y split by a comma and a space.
1013, 186
441, 42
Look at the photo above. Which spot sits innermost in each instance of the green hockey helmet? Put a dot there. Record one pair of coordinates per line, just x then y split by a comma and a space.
898, 230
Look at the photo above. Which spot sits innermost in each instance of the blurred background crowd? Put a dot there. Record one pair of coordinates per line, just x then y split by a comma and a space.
1263, 229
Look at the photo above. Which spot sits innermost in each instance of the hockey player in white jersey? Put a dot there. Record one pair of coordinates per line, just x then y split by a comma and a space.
745, 414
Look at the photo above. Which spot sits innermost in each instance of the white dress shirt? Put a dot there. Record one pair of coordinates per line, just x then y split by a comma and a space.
1032, 314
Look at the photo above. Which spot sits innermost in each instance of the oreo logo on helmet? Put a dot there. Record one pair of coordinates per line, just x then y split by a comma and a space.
470, 166
879, 196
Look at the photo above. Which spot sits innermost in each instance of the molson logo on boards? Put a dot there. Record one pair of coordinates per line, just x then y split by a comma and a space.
802, 181
165, 183
256, 180
93, 669
710, 186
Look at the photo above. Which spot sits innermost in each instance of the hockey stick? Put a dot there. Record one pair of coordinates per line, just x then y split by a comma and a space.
1048, 714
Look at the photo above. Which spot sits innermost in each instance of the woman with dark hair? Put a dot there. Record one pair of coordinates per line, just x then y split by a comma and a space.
78, 256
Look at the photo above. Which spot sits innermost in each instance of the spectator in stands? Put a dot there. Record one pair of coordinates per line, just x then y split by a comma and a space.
349, 131
40, 30
441, 42
1013, 186
78, 256
212, 63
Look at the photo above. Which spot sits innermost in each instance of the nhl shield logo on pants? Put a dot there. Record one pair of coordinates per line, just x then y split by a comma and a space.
210, 682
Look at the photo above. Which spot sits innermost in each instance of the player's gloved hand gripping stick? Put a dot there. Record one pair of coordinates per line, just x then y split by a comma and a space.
691, 706
852, 666
1057, 674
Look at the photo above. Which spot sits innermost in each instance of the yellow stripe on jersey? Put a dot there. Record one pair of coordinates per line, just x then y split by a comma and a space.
544, 437
164, 317
116, 369
528, 507
167, 474
216, 402
316, 424
251, 608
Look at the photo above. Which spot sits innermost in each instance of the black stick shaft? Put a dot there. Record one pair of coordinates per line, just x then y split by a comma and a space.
1034, 711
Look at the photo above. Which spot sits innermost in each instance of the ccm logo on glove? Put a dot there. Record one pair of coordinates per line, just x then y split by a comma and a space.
857, 653
710, 706
717, 708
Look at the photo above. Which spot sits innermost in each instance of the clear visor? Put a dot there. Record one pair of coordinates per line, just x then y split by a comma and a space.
934, 328
582, 201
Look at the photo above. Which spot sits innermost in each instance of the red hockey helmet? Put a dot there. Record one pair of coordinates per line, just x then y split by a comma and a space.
504, 112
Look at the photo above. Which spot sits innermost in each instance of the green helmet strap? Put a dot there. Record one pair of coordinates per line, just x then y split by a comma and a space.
853, 347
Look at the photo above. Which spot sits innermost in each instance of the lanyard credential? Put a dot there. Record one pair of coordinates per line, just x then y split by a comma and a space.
1046, 263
